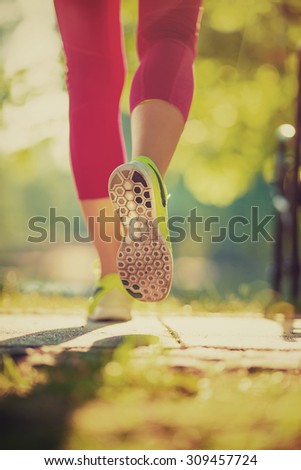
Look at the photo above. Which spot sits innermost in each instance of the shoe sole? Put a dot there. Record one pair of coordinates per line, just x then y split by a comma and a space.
144, 262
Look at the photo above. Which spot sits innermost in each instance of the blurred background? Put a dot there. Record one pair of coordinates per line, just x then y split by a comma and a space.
245, 87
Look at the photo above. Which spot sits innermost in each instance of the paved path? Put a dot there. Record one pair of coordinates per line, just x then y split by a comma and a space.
229, 342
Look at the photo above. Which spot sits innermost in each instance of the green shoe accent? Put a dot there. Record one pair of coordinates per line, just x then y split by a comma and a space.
161, 196
144, 260
109, 301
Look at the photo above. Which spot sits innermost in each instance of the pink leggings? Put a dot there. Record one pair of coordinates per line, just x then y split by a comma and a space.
92, 37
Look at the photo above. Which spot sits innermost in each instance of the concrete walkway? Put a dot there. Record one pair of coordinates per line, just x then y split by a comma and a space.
230, 342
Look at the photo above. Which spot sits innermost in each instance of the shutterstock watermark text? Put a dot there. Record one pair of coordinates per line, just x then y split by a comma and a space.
237, 229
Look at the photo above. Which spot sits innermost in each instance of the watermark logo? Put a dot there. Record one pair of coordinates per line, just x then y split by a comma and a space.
238, 229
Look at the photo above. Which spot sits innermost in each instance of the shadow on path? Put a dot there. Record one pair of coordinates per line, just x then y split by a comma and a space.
52, 336
42, 418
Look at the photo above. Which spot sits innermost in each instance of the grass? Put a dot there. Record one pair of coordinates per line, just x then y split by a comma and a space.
14, 301
128, 400
116, 401
17, 302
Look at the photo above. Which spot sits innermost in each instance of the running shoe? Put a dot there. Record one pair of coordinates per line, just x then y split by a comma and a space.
109, 301
144, 259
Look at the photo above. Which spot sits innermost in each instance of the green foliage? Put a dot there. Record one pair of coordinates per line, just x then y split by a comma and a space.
207, 418
136, 399
148, 375
16, 380
16, 302
245, 88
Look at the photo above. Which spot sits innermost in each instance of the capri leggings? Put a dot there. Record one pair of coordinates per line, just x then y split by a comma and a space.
92, 37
